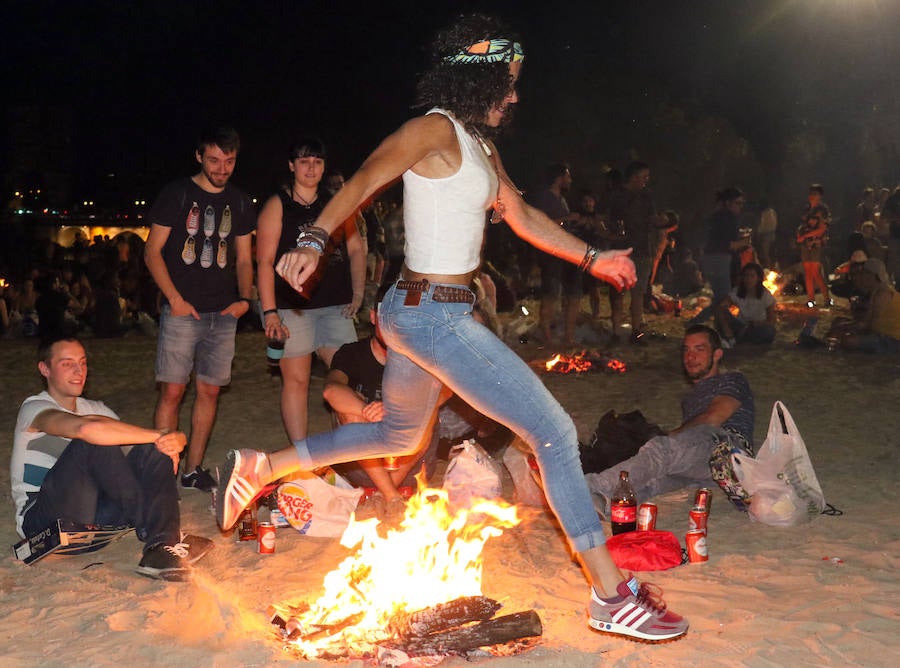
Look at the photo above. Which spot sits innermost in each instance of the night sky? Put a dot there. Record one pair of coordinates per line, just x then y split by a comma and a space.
130, 83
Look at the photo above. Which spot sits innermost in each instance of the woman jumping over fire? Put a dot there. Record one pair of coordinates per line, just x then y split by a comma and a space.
452, 174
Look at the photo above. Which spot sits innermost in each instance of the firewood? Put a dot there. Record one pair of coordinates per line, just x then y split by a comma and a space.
442, 616
490, 632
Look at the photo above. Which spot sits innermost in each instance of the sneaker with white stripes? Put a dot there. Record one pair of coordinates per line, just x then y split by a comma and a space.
637, 612
241, 482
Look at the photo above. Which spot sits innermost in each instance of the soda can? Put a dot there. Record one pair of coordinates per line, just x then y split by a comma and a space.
265, 542
698, 519
277, 518
695, 540
646, 518
703, 499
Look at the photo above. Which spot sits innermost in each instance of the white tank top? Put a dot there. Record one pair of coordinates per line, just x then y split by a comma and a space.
444, 218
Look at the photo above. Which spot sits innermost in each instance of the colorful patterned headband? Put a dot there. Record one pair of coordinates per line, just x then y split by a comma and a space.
489, 51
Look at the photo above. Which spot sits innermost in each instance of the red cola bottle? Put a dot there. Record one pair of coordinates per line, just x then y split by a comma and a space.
623, 506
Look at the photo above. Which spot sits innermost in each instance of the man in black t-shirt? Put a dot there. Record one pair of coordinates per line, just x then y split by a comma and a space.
199, 254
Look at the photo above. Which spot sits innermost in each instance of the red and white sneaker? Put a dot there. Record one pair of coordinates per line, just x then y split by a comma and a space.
637, 612
241, 482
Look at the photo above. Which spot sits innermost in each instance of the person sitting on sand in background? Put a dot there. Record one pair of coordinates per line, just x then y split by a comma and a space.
452, 175
73, 459
877, 329
718, 408
755, 319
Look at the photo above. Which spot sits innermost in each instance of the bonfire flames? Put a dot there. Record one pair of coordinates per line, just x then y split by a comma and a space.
584, 361
395, 578
771, 282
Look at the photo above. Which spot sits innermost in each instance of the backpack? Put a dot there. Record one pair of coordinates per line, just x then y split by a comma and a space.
616, 438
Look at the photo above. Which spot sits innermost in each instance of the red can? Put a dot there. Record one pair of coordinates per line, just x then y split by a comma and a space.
265, 541
646, 517
695, 540
703, 498
698, 519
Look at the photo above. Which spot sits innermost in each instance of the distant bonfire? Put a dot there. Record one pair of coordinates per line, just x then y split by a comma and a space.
586, 360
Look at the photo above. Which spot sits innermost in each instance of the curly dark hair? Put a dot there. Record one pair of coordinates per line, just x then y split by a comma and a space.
467, 90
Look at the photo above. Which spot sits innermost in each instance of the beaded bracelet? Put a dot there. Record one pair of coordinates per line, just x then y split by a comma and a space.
313, 237
590, 255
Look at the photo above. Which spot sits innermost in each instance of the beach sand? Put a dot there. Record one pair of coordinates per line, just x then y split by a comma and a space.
821, 594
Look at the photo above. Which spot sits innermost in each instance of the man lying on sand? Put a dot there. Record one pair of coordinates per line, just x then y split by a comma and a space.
718, 407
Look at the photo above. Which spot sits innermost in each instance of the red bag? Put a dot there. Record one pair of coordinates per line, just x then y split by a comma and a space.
646, 550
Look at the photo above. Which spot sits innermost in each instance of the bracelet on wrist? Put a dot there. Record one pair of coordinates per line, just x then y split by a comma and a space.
270, 311
313, 237
590, 255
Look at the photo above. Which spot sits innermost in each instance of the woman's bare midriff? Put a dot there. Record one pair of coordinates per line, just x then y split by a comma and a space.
408, 274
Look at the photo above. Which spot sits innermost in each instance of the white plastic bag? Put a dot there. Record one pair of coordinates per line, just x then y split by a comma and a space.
471, 474
315, 507
527, 491
780, 479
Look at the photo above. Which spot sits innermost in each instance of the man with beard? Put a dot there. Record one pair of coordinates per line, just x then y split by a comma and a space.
718, 408
199, 254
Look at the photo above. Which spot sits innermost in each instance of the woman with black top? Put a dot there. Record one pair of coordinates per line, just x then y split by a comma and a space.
319, 318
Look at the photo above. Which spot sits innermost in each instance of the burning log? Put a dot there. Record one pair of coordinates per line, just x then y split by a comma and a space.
489, 632
443, 616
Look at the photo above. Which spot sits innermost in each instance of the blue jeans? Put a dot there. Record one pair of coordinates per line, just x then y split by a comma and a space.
717, 272
435, 344
99, 484
663, 464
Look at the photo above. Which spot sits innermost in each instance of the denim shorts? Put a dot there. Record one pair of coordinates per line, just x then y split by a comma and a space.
185, 343
315, 328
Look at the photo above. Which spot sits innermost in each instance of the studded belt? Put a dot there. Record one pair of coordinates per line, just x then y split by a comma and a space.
439, 293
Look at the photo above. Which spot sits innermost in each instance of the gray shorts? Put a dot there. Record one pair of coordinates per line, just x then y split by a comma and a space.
184, 344
312, 329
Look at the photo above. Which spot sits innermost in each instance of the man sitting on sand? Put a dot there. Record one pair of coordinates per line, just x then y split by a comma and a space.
73, 459
718, 407
876, 328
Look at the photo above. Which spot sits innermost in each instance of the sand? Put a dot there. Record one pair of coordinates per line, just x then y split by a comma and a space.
822, 594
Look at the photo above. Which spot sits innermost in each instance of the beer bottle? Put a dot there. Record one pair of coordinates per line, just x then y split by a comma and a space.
623, 506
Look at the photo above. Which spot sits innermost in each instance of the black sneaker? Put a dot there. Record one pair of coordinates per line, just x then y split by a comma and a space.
199, 479
197, 547
166, 562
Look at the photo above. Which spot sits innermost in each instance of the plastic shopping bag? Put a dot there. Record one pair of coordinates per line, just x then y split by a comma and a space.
527, 491
471, 474
781, 481
315, 507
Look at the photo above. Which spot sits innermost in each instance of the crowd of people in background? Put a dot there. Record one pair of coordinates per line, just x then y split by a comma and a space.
102, 288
